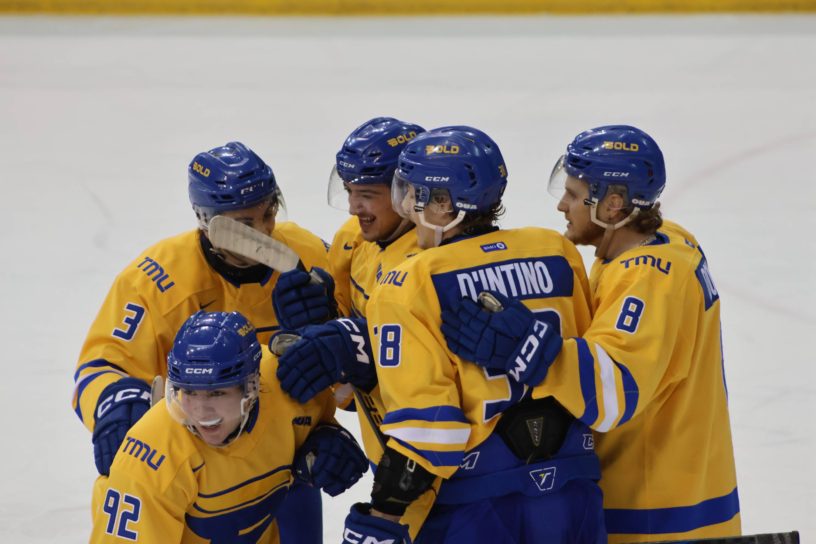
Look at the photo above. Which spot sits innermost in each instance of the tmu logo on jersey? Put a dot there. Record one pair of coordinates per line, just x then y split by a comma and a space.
544, 478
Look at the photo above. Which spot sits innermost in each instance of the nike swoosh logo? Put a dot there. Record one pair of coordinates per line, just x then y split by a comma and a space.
346, 246
202, 306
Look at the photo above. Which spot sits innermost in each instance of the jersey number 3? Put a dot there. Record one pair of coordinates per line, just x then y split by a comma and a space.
131, 322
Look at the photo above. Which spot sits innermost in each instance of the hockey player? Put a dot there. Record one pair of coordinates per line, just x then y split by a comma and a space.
648, 374
214, 462
369, 245
514, 470
148, 302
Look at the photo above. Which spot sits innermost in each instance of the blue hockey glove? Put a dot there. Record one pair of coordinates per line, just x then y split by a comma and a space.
337, 351
361, 527
299, 300
330, 459
511, 340
120, 405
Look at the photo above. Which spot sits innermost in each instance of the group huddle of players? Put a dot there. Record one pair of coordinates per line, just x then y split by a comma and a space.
502, 395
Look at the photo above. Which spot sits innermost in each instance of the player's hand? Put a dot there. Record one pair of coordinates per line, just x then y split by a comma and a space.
302, 298
330, 459
120, 405
337, 351
361, 526
511, 339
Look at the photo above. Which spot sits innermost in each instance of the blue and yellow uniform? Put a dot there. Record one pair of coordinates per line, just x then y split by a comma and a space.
167, 485
357, 266
441, 411
648, 377
156, 293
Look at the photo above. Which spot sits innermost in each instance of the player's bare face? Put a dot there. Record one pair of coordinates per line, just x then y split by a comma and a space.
580, 228
260, 217
372, 206
215, 414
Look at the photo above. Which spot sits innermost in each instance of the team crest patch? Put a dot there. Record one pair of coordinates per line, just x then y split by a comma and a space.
544, 478
498, 246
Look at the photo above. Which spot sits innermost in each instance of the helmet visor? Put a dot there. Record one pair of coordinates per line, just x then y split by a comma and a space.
214, 414
337, 194
558, 179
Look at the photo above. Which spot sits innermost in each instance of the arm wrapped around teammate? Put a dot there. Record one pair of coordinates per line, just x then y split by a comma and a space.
334, 352
330, 459
300, 299
120, 405
510, 339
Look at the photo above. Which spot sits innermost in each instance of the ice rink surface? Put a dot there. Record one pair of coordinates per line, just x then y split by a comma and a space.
100, 117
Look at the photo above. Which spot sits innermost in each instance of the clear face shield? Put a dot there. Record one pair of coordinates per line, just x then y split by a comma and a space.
217, 416
337, 195
431, 208
557, 185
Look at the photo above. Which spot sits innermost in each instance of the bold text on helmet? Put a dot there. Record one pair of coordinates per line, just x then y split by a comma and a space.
402, 139
442, 149
620, 146
201, 170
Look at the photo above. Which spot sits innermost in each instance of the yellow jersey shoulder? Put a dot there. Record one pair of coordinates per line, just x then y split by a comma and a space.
309, 247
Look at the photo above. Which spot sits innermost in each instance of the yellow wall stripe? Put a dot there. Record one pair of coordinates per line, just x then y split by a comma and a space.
393, 7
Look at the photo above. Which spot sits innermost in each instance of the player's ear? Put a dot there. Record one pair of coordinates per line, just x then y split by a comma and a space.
613, 206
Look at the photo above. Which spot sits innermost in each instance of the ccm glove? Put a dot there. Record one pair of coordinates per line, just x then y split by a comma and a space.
362, 527
120, 405
337, 351
511, 339
330, 459
300, 299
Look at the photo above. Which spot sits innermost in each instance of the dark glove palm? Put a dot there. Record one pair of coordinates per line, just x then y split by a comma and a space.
299, 300
120, 405
330, 459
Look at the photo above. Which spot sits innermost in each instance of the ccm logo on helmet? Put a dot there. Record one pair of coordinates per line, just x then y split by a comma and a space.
616, 174
201, 170
443, 149
198, 370
439, 179
620, 146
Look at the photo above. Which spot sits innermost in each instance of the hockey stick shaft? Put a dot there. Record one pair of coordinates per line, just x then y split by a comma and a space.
769, 538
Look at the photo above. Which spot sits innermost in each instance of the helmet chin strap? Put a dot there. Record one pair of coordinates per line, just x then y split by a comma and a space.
438, 230
609, 228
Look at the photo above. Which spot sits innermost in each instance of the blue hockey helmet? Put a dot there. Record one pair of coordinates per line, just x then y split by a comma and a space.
213, 351
462, 161
230, 177
369, 155
614, 155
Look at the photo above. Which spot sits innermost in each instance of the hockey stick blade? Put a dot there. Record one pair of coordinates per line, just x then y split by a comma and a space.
230, 235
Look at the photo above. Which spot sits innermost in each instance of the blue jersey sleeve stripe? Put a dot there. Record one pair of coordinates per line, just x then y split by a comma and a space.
357, 286
437, 458
631, 393
85, 382
242, 484
96, 363
679, 519
586, 369
433, 414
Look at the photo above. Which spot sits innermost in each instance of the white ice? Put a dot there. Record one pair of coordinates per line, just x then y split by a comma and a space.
100, 117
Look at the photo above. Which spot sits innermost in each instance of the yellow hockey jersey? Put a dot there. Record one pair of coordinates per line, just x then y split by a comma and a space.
155, 294
648, 376
437, 406
167, 485
356, 266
